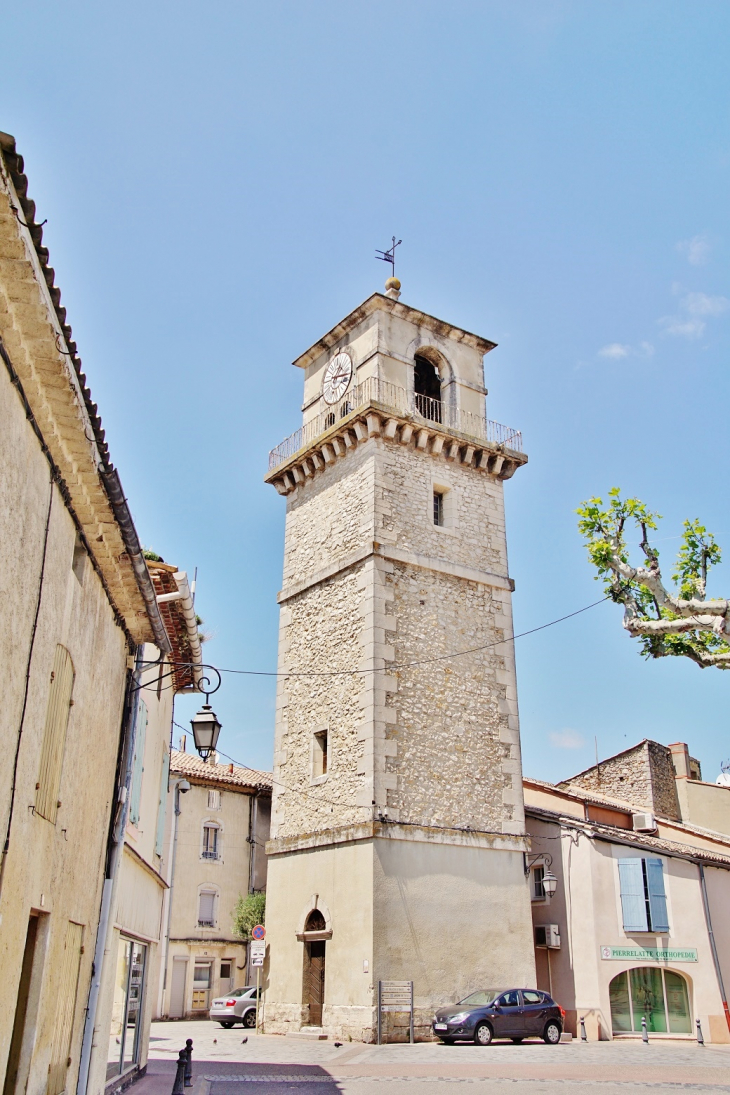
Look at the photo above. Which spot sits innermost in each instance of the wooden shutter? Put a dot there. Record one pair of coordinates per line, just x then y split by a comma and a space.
65, 1009
54, 734
162, 805
657, 896
633, 900
138, 763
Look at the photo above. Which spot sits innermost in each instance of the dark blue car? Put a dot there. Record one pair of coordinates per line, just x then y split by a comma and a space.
501, 1013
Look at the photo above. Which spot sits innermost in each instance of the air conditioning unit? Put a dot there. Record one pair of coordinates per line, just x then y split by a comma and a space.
547, 935
644, 823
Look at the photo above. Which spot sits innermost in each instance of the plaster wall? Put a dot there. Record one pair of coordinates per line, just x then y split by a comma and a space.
587, 909
55, 869
228, 876
705, 804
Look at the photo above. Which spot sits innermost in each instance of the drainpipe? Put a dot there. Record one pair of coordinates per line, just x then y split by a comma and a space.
713, 946
116, 842
184, 786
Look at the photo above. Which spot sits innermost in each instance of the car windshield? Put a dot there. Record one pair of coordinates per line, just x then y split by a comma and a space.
482, 998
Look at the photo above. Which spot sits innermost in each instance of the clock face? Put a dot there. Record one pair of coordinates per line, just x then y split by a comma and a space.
337, 377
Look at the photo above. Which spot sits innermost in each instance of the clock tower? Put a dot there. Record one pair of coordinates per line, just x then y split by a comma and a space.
397, 833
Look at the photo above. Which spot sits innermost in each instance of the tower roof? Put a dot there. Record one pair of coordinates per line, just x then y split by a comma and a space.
378, 302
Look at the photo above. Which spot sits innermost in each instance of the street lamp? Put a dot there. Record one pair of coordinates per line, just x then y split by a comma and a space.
549, 883
206, 729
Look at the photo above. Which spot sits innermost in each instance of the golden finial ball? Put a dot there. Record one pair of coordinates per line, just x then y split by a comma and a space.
392, 283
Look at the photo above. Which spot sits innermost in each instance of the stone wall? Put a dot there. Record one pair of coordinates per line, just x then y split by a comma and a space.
643, 776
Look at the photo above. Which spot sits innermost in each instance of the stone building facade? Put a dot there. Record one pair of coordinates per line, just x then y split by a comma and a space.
397, 800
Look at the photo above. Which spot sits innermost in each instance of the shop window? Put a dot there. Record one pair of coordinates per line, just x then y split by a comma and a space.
660, 996
643, 898
126, 1027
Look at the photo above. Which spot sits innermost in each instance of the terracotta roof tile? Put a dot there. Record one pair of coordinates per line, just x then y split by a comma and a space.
188, 764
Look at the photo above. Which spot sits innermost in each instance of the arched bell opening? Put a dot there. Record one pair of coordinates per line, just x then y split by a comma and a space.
427, 388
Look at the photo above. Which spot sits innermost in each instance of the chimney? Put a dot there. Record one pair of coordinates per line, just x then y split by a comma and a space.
183, 742
680, 759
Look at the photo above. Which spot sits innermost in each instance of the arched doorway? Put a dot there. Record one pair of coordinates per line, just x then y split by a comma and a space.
427, 389
660, 996
314, 956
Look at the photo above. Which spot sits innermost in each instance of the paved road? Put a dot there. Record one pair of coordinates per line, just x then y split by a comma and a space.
270, 1065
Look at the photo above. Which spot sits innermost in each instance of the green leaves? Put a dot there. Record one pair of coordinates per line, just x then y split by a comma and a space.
640, 587
249, 911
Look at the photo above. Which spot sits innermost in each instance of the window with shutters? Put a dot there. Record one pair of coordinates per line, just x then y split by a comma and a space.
54, 734
206, 908
214, 800
140, 736
643, 897
65, 1008
162, 803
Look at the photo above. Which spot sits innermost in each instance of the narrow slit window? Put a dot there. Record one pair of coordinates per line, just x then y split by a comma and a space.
438, 507
321, 753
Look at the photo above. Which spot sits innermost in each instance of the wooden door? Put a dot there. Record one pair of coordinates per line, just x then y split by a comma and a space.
315, 982
65, 1009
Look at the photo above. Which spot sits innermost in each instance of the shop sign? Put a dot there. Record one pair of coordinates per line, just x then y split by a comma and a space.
648, 954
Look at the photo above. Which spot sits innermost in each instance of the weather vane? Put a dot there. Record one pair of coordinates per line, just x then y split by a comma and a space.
389, 255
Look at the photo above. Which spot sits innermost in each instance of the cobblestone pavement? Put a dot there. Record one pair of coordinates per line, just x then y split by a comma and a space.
225, 1064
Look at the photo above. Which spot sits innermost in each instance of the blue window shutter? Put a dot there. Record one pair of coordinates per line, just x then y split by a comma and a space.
160, 837
657, 896
633, 901
138, 763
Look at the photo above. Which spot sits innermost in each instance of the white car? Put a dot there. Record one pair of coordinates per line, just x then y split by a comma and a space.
238, 1006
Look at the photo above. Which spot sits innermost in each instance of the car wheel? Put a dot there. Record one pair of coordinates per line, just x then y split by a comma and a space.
551, 1034
249, 1019
483, 1034
517, 1041
227, 1025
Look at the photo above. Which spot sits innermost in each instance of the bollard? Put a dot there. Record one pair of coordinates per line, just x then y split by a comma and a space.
189, 1062
583, 1035
644, 1034
178, 1088
700, 1039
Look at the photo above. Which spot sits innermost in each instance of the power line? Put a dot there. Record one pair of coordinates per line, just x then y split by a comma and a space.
418, 661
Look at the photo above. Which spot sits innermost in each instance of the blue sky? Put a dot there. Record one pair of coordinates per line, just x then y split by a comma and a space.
216, 179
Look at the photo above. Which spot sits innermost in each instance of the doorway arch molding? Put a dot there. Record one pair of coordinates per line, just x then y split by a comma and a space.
315, 903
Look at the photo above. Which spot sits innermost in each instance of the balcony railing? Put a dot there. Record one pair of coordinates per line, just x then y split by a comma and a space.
419, 407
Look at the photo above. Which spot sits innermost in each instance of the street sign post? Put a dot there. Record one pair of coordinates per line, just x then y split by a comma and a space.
395, 996
257, 955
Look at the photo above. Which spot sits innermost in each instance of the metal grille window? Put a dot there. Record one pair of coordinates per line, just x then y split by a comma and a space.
54, 734
206, 909
210, 842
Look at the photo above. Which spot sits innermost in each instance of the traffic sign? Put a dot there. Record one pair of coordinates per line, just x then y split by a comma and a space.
259, 932
257, 952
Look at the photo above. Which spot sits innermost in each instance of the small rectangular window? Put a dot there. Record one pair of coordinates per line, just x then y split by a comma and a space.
214, 800
225, 970
210, 842
438, 507
206, 912
320, 754
538, 890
